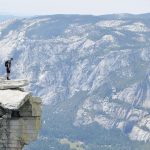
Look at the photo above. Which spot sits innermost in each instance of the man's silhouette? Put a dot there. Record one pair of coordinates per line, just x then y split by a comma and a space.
8, 68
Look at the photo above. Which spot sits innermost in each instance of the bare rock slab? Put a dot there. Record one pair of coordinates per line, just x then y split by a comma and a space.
12, 84
13, 99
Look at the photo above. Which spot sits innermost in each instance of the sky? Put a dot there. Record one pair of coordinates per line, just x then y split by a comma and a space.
93, 7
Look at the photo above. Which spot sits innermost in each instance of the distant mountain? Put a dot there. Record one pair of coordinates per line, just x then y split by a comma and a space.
92, 73
6, 17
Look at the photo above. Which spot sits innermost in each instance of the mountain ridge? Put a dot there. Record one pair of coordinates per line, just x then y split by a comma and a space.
106, 57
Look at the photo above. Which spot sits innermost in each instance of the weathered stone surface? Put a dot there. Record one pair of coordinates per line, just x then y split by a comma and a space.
13, 99
12, 84
20, 120
1, 78
32, 107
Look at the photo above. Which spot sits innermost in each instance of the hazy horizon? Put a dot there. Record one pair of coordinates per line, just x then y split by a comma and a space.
81, 7
32, 15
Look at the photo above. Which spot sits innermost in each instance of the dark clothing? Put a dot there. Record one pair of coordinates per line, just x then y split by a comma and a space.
8, 78
8, 64
8, 70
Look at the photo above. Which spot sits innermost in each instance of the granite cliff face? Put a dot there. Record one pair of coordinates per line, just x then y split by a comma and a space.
19, 115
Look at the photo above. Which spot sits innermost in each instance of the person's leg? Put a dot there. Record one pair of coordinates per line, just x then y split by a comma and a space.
8, 76
8, 73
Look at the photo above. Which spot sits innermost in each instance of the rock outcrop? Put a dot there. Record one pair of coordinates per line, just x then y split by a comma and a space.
19, 115
13, 84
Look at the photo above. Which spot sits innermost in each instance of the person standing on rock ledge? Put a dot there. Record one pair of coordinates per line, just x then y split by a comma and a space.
8, 67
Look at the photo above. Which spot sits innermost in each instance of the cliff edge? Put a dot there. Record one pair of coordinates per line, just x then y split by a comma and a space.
20, 114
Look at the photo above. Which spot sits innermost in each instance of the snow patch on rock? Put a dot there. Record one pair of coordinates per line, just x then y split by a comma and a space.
110, 23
